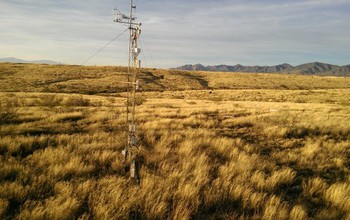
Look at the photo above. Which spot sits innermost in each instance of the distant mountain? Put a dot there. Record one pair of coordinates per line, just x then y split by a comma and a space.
344, 70
315, 68
16, 60
237, 68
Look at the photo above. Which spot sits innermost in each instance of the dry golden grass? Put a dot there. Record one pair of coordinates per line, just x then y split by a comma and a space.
221, 154
97, 80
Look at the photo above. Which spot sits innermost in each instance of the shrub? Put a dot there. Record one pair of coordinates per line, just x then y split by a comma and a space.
216, 99
139, 100
49, 101
191, 102
77, 101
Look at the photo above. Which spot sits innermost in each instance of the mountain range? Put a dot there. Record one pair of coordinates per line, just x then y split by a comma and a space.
16, 60
315, 68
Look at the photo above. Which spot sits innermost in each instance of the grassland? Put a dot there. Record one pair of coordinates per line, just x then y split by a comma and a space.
248, 146
106, 80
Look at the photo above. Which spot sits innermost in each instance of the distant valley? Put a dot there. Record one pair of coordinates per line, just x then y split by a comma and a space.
315, 68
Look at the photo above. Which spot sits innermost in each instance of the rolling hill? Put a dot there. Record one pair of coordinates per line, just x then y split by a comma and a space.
16, 77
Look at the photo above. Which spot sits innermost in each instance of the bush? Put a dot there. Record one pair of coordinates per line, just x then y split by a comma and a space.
216, 99
50, 101
77, 101
139, 100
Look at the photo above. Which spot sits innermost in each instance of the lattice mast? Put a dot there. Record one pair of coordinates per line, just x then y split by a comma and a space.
132, 86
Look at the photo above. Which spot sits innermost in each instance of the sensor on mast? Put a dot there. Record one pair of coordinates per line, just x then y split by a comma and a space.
130, 151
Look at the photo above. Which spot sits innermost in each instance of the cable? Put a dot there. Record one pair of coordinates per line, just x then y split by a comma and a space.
144, 43
104, 47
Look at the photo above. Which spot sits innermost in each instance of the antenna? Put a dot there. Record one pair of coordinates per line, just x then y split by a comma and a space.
130, 151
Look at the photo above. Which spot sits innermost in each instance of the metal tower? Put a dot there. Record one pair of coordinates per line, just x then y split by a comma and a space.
132, 86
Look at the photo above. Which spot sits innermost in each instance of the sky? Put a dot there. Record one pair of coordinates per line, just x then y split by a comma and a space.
179, 32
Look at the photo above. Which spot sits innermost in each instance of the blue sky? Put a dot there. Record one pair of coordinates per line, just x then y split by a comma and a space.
178, 32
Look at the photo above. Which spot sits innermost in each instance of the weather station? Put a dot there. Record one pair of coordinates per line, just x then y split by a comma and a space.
134, 64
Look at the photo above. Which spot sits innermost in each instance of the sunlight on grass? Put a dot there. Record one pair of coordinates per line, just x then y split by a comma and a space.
206, 154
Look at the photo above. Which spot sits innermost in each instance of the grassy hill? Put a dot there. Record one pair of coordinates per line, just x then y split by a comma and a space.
93, 80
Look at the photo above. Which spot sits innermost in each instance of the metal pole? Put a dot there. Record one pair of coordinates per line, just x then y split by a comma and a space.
131, 92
